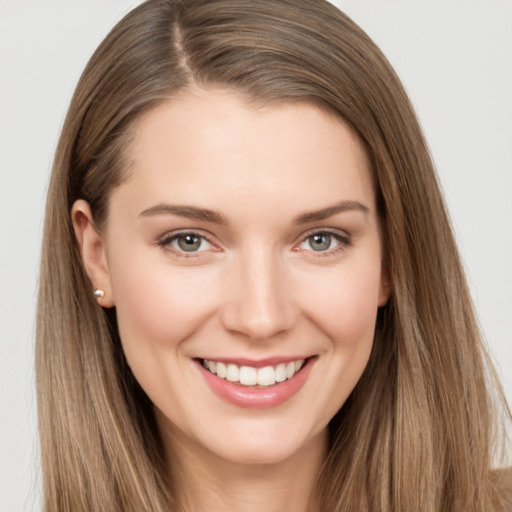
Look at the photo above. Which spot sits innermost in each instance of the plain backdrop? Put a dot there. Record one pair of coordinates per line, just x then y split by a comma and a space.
455, 59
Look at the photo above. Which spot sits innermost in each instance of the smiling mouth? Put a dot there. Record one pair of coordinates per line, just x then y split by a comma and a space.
249, 376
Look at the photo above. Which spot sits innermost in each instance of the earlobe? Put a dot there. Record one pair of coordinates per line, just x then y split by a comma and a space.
92, 252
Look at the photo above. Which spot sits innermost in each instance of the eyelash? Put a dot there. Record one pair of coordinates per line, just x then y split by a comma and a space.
343, 239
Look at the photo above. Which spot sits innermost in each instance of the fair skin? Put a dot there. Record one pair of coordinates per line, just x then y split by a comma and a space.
257, 281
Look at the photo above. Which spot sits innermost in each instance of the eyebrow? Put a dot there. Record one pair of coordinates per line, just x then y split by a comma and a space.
325, 213
189, 212
204, 214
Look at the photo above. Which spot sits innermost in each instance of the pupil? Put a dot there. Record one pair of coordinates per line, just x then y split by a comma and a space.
320, 242
189, 243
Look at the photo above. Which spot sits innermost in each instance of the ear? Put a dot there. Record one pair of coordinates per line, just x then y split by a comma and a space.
385, 283
92, 251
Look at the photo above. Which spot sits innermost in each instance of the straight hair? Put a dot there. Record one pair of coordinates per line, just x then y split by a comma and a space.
418, 431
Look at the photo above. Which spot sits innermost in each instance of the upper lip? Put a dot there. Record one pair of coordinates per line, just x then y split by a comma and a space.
256, 363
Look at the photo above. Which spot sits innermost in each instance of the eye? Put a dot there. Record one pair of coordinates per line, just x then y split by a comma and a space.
324, 242
185, 243
320, 241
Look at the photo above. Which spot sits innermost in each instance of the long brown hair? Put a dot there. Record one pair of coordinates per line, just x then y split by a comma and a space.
423, 410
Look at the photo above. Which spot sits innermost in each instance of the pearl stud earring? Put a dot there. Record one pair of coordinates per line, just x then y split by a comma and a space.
99, 294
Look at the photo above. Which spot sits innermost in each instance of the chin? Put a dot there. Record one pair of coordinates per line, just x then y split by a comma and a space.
267, 443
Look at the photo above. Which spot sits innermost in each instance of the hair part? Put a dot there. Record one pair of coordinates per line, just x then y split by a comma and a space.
423, 415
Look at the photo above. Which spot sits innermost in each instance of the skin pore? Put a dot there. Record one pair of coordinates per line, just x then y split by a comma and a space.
247, 236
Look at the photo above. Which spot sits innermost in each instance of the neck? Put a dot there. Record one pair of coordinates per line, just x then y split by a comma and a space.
205, 482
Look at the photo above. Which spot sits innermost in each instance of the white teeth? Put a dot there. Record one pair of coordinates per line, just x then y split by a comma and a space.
266, 376
232, 373
249, 376
280, 373
212, 366
221, 370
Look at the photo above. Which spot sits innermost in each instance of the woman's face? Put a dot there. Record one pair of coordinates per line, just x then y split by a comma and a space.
245, 239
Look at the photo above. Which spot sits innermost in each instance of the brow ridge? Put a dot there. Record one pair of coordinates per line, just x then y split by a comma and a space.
205, 214
330, 211
189, 212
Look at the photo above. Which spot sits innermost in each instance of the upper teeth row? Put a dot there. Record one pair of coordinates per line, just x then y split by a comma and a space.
250, 376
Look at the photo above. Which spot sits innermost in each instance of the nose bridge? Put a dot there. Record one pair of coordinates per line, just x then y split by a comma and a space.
260, 305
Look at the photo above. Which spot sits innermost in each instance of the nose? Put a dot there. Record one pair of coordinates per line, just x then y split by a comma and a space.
259, 301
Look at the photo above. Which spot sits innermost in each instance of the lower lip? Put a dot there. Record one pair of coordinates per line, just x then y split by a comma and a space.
257, 398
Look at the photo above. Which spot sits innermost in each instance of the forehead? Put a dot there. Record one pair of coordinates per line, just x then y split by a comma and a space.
210, 146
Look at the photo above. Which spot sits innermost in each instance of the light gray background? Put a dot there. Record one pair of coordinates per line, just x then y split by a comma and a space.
455, 58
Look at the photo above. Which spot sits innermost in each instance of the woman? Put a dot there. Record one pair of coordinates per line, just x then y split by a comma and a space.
250, 294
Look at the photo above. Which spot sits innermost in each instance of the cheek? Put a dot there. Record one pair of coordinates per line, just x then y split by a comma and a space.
341, 305
158, 304
346, 304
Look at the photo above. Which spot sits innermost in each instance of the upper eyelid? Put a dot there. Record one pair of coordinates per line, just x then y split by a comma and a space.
330, 231
312, 231
173, 234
